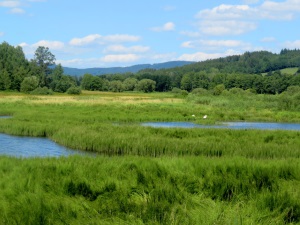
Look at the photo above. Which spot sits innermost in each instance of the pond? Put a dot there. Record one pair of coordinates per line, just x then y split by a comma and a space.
228, 125
33, 147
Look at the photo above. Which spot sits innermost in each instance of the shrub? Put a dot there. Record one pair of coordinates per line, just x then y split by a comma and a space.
199, 91
42, 91
74, 91
218, 89
176, 90
29, 84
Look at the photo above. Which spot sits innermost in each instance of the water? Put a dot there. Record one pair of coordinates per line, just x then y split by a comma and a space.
228, 125
33, 147
5, 117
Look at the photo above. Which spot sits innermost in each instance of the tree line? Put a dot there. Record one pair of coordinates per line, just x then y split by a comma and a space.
36, 75
256, 71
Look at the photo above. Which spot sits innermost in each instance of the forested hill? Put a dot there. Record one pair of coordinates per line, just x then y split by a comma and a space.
129, 69
249, 62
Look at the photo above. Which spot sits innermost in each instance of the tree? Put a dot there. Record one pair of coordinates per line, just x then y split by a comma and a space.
146, 85
116, 86
186, 82
64, 83
130, 84
43, 59
86, 81
218, 89
5, 81
29, 84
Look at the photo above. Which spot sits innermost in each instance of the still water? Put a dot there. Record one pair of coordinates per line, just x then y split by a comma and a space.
33, 147
228, 125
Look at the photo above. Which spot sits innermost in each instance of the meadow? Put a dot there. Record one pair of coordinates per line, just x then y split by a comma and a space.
145, 175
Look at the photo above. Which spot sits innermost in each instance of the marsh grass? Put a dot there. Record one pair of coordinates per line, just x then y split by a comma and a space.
189, 190
147, 175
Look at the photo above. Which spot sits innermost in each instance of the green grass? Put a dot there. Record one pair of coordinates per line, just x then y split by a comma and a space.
288, 71
147, 175
130, 190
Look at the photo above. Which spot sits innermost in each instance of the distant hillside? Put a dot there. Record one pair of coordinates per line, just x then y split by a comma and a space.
249, 63
132, 69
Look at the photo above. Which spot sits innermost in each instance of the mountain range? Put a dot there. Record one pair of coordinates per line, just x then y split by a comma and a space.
129, 69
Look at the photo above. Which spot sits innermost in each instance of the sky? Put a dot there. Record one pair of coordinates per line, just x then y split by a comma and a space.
110, 33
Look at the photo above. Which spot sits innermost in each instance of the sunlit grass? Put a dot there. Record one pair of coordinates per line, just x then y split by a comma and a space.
146, 175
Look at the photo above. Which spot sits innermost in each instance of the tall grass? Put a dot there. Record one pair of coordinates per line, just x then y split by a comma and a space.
189, 190
147, 175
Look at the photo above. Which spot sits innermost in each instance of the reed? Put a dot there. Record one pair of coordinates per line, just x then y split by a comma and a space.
146, 175
143, 190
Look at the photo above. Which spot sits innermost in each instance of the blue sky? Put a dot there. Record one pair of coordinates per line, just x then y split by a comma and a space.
107, 33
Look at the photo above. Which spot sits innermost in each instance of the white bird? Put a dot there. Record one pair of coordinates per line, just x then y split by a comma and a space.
193, 115
205, 116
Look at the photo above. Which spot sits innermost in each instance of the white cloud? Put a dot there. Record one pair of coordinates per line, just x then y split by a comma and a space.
226, 27
166, 27
225, 12
10, 4
54, 45
17, 11
121, 38
214, 43
1, 34
268, 39
23, 44
292, 44
288, 5
201, 56
239, 19
99, 39
121, 48
122, 58
85, 40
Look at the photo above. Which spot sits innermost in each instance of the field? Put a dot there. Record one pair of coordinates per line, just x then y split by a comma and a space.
146, 175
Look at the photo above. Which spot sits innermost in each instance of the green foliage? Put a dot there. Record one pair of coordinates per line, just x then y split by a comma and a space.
199, 91
116, 86
42, 91
29, 84
74, 90
44, 58
219, 89
146, 85
147, 175
143, 190
5, 81
176, 90
130, 84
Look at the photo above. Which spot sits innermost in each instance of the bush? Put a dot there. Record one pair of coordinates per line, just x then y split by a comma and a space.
199, 91
146, 85
42, 91
176, 90
218, 89
29, 84
74, 91
236, 91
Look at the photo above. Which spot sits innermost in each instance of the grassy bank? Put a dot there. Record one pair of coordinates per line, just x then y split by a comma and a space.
150, 175
131, 190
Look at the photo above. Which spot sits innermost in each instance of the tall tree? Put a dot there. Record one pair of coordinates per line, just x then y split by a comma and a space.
44, 59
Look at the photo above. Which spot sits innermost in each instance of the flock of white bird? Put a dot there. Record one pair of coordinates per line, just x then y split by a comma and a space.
204, 117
